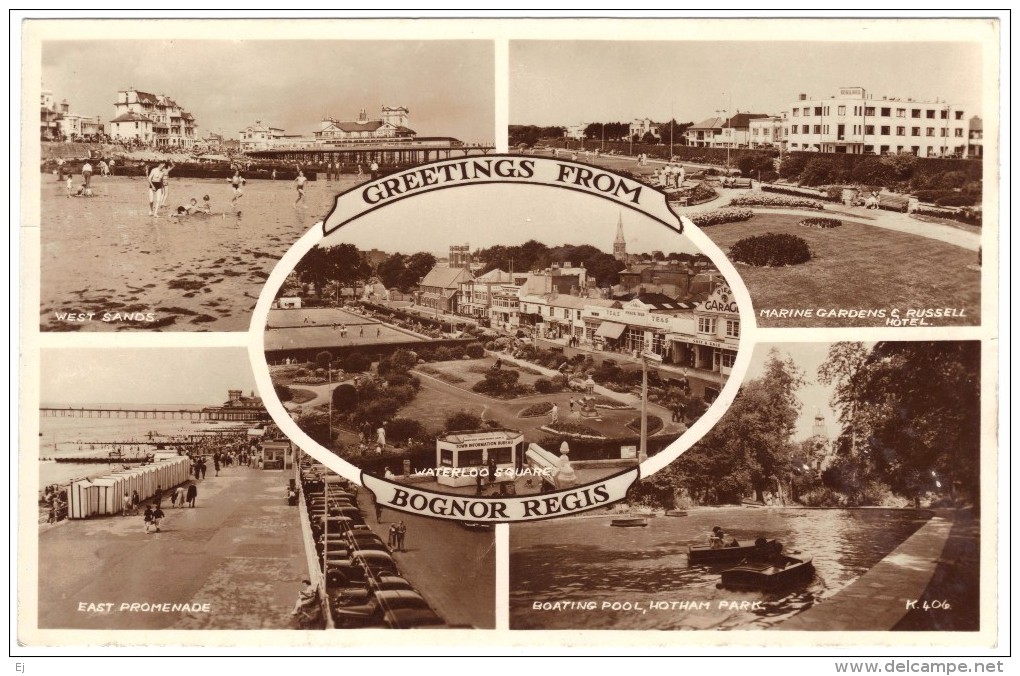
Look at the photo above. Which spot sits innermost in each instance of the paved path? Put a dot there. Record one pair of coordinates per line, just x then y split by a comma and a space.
453, 568
877, 601
239, 550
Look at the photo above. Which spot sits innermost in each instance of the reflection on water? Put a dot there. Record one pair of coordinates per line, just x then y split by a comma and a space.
588, 566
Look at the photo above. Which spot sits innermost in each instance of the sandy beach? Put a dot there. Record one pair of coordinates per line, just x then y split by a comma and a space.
106, 256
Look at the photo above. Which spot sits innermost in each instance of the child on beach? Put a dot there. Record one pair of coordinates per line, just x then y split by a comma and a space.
70, 187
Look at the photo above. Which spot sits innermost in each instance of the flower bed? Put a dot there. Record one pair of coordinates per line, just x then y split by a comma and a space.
309, 380
612, 404
820, 223
654, 424
573, 429
536, 410
969, 216
771, 250
760, 199
719, 216
795, 191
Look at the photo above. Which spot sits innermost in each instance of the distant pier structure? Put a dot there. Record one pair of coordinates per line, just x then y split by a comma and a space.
386, 152
237, 408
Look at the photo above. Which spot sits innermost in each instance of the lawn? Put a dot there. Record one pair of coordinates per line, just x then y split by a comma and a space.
857, 267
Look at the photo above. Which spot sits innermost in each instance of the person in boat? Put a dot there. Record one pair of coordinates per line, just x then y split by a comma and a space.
717, 537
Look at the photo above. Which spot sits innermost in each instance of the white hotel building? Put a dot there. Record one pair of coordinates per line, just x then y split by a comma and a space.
854, 122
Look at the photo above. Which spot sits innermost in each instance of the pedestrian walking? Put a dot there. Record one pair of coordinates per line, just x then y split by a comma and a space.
192, 494
554, 414
127, 504
571, 406
158, 497
216, 464
401, 534
147, 518
380, 436
173, 496
135, 501
392, 541
157, 517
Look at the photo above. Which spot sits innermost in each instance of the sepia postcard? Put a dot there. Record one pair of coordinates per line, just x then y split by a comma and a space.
680, 334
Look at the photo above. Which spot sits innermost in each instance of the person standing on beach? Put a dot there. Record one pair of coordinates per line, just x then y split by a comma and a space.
299, 183
127, 504
236, 182
86, 174
192, 494
156, 193
374, 169
135, 501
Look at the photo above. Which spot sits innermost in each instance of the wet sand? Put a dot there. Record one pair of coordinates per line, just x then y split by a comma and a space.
106, 256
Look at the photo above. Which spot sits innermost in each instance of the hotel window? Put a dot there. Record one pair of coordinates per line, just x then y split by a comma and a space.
869, 129
930, 131
958, 114
706, 325
727, 358
869, 110
886, 112
885, 130
825, 111
943, 114
818, 129
915, 113
901, 131
901, 112
732, 328
915, 131
930, 114
841, 110
796, 112
942, 132
818, 110
807, 111
635, 338
658, 343
958, 133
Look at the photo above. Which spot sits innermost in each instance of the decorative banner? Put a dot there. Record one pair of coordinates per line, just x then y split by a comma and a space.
554, 173
404, 498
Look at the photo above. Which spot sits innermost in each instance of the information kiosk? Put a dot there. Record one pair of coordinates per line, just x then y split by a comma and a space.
493, 454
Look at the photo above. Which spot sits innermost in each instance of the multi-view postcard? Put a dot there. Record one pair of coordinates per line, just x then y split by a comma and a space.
675, 333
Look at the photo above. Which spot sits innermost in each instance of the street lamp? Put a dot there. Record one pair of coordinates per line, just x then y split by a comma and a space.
645, 357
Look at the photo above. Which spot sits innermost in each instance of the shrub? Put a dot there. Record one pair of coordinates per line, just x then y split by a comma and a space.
771, 250
490, 345
357, 362
559, 382
821, 222
544, 386
403, 430
970, 216
760, 199
956, 199
718, 216
822, 497
301, 372
283, 393
536, 410
400, 362
323, 359
474, 351
443, 354
345, 397
462, 420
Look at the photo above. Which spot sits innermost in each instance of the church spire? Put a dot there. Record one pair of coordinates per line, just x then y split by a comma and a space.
620, 244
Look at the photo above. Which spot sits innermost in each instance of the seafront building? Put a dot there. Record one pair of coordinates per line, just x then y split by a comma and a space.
152, 119
57, 122
238, 408
852, 121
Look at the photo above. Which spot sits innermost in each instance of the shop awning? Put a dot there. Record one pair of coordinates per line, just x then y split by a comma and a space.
611, 330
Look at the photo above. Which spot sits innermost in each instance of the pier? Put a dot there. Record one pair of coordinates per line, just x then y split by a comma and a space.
387, 153
154, 414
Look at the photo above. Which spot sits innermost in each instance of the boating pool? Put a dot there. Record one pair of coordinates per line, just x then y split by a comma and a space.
605, 577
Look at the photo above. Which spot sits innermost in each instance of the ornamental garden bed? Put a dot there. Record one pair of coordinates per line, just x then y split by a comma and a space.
573, 429
536, 410
824, 223
654, 425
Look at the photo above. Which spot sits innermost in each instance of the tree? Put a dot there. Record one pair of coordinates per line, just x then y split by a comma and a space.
283, 393
415, 267
345, 397
679, 130
341, 263
748, 449
392, 271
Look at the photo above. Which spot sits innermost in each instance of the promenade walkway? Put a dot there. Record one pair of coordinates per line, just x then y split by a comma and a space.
239, 550
878, 600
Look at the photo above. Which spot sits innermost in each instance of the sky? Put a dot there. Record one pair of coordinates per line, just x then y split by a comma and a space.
198, 376
507, 214
563, 83
813, 395
228, 84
